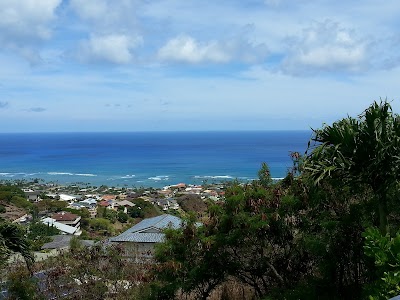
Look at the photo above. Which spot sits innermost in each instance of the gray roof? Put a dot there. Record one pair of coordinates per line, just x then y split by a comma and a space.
63, 241
59, 241
149, 230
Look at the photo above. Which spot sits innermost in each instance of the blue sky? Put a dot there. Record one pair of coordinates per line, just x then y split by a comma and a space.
131, 65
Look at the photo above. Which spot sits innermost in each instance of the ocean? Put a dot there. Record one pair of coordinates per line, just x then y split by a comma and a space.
148, 159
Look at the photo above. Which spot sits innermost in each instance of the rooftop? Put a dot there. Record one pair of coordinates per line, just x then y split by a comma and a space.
149, 230
64, 216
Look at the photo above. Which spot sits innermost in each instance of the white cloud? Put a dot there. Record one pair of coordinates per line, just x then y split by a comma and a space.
27, 19
24, 23
112, 27
112, 48
185, 48
326, 47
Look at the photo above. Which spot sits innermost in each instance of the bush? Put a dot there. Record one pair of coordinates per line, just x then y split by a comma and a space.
21, 202
122, 217
100, 224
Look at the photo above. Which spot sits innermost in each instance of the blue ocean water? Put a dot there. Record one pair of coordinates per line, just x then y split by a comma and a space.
147, 158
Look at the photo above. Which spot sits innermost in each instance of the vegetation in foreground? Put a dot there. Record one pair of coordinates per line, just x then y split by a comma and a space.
329, 230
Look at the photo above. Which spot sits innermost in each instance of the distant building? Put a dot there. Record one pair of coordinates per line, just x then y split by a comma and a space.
67, 198
63, 242
138, 241
64, 229
33, 196
91, 207
125, 204
166, 204
67, 218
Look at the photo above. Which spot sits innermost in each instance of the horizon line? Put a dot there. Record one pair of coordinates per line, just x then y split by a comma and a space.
160, 131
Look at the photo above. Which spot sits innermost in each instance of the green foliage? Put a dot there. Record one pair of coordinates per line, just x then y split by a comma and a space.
7, 192
111, 215
264, 175
101, 224
83, 212
142, 209
100, 211
39, 229
360, 151
2, 209
136, 212
106, 213
49, 205
12, 239
122, 217
188, 261
21, 202
99, 272
22, 286
385, 251
39, 234
251, 237
75, 244
192, 203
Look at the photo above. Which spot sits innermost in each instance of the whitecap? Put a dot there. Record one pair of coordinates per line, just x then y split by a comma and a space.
159, 177
84, 174
7, 174
214, 177
127, 176
60, 173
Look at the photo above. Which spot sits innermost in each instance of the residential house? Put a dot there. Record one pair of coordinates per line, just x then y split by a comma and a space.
67, 198
33, 196
169, 203
173, 204
163, 203
124, 203
138, 241
67, 218
108, 197
91, 207
61, 242
107, 204
63, 228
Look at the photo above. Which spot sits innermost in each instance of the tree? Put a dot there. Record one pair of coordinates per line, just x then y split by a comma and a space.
40, 233
12, 239
253, 237
122, 217
264, 175
385, 252
360, 151
189, 261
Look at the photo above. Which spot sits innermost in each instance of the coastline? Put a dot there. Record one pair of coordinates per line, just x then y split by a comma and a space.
151, 159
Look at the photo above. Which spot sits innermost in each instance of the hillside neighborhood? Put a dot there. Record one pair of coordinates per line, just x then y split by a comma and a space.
110, 214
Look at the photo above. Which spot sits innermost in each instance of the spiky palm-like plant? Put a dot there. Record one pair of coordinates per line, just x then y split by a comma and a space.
361, 150
12, 239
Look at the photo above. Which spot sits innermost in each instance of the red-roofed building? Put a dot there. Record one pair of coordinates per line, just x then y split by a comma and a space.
67, 218
108, 197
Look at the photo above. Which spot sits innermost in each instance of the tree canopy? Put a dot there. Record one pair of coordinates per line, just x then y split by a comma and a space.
363, 150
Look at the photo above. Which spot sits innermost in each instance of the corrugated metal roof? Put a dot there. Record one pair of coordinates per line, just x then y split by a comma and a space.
137, 234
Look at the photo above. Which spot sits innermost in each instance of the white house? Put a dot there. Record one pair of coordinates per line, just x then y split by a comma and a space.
65, 229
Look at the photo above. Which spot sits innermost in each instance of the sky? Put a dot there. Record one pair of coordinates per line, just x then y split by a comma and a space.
191, 65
